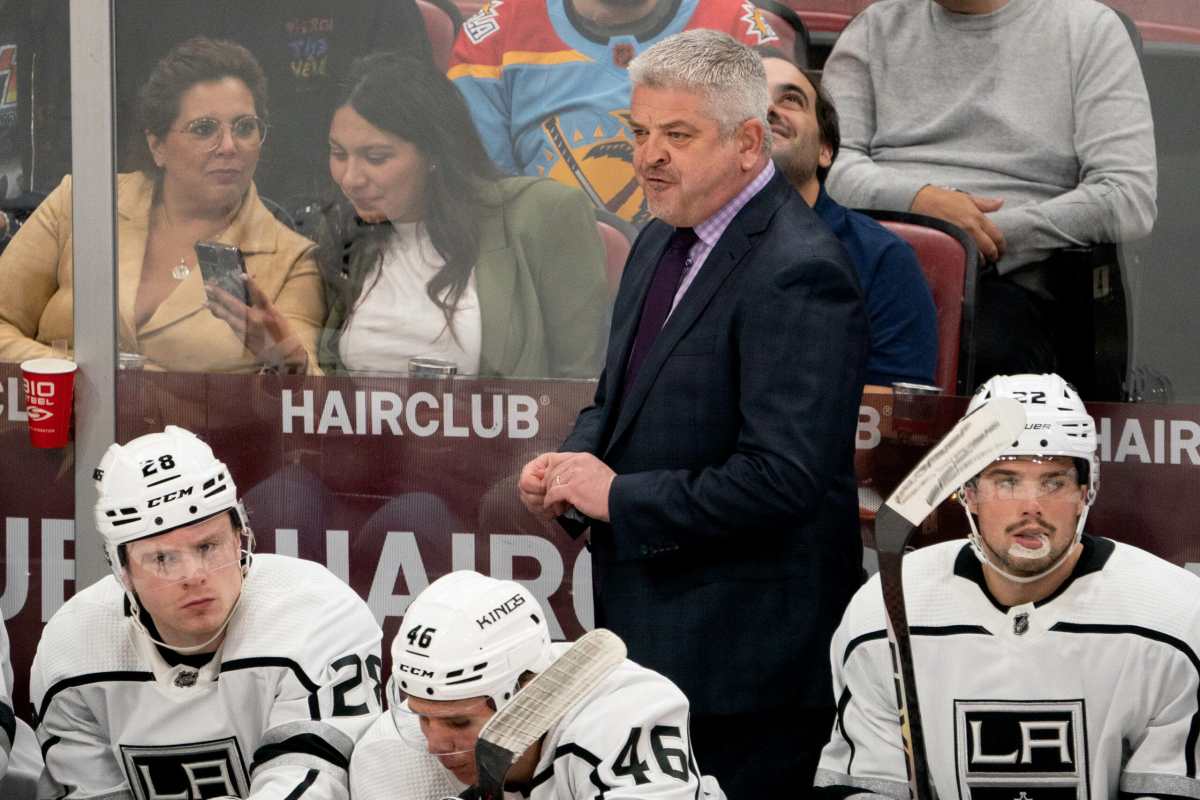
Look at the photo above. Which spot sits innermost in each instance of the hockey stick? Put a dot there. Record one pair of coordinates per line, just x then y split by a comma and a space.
541, 703
961, 454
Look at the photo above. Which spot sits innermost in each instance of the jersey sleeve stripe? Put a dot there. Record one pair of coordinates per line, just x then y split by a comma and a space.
302, 787
91, 677
308, 745
8, 724
332, 736
1163, 638
1140, 784
523, 58
828, 779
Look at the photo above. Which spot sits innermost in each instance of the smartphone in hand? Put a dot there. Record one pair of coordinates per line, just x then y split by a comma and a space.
223, 265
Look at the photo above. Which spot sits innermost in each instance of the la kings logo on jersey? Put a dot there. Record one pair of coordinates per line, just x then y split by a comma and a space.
186, 771
1013, 750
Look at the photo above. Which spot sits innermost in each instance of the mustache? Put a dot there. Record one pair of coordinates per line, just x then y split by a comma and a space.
1035, 522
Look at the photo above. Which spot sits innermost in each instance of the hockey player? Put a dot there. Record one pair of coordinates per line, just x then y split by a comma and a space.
198, 670
466, 646
20, 760
1050, 664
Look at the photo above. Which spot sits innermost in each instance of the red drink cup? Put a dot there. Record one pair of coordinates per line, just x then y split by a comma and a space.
49, 384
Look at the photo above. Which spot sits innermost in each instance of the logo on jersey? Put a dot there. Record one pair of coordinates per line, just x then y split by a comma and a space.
595, 153
1009, 749
757, 25
186, 771
483, 23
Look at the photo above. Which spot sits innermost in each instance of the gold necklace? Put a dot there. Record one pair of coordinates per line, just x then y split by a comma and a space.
182, 270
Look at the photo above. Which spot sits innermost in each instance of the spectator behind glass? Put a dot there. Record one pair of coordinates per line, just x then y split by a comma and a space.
428, 252
1027, 124
202, 110
546, 83
804, 143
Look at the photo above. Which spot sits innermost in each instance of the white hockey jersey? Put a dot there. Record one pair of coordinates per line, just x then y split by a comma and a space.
20, 758
1090, 692
628, 738
274, 715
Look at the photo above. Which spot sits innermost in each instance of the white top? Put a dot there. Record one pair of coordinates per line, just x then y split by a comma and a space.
627, 739
274, 715
1087, 694
394, 319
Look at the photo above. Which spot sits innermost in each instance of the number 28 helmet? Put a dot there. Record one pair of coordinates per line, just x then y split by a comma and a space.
159, 482
468, 635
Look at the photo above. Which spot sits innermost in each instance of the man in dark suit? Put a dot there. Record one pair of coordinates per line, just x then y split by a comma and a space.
715, 466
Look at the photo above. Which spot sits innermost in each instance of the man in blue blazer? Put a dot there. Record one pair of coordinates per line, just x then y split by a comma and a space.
715, 465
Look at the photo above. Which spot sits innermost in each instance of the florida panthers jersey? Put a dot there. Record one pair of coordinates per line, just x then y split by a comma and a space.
1090, 692
275, 714
550, 99
627, 738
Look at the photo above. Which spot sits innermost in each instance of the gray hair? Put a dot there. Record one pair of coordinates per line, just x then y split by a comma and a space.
714, 64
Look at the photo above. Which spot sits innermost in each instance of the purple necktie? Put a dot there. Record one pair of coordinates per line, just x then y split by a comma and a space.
659, 299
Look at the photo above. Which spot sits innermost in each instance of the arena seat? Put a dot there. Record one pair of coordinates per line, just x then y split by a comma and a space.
949, 259
440, 29
793, 35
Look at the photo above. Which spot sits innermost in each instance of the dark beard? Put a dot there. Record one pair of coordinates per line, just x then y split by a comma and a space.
795, 168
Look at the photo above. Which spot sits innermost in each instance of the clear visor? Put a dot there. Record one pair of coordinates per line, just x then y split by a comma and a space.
172, 564
1051, 479
448, 730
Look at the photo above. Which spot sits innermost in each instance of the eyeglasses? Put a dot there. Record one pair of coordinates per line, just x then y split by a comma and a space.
174, 565
248, 132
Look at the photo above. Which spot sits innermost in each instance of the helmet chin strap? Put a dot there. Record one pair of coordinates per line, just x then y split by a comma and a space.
980, 547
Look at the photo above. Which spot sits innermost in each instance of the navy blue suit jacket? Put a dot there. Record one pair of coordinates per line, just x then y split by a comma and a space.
734, 546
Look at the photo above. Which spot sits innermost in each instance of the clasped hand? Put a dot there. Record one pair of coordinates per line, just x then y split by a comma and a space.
552, 483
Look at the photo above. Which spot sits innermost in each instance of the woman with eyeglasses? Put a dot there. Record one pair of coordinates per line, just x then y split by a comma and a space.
203, 111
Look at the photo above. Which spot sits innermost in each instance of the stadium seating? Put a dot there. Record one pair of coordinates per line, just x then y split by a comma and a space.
949, 259
440, 29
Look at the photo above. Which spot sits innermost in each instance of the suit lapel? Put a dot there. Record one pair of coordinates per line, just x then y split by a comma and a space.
729, 251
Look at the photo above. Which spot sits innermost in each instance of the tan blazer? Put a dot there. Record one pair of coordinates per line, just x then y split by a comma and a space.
182, 335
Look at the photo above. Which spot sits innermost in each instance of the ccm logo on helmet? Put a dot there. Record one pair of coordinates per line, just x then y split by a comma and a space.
499, 612
416, 671
169, 496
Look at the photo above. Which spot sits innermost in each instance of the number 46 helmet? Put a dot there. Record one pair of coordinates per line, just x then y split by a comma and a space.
468, 635
1056, 424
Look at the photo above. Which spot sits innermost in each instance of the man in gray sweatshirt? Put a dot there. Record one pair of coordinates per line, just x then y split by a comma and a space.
1024, 122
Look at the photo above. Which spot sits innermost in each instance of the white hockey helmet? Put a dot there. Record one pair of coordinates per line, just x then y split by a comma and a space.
159, 482
468, 635
1056, 424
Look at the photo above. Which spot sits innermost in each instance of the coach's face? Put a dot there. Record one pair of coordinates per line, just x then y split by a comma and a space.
687, 169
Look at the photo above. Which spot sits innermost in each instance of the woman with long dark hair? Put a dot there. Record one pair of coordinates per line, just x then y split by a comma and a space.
428, 251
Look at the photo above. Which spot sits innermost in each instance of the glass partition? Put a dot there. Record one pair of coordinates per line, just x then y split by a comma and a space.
423, 313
